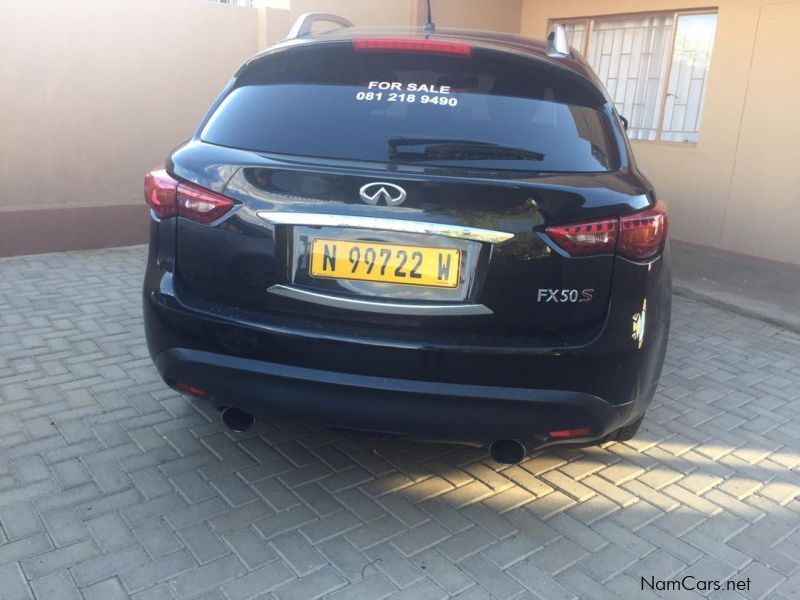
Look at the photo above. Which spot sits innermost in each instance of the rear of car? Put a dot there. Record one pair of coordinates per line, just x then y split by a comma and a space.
442, 237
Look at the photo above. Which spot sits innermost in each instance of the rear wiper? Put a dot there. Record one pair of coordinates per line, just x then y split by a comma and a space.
433, 148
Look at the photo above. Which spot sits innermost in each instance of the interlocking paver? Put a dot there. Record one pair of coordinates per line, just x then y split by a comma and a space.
19, 520
57, 585
13, 583
109, 565
110, 532
209, 576
150, 573
512, 550
492, 578
297, 552
257, 582
330, 526
58, 559
348, 561
420, 538
317, 584
250, 547
466, 543
559, 555
443, 572
157, 538
110, 589
23, 548
373, 586
64, 526
111, 484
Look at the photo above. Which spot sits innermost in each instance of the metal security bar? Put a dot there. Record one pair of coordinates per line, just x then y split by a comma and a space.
654, 66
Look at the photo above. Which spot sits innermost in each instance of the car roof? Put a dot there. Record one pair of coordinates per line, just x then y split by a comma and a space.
492, 40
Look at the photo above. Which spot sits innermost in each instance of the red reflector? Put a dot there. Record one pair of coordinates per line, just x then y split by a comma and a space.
201, 205
570, 433
642, 235
580, 239
411, 45
160, 193
190, 389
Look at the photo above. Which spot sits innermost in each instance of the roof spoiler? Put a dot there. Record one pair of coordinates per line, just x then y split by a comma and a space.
302, 26
557, 41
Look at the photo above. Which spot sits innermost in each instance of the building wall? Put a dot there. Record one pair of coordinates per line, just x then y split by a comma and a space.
738, 185
360, 12
500, 15
93, 95
279, 15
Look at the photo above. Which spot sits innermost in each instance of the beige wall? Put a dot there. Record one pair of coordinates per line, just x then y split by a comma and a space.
500, 15
277, 18
497, 15
360, 12
504, 15
739, 183
96, 92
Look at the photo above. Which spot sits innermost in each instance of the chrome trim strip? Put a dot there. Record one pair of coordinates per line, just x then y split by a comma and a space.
329, 220
387, 308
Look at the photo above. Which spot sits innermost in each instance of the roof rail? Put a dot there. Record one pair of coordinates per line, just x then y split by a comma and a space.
557, 41
302, 26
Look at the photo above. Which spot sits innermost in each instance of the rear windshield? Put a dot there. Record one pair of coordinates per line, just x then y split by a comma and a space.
482, 112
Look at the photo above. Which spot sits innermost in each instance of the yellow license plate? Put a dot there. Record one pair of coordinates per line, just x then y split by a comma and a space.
387, 263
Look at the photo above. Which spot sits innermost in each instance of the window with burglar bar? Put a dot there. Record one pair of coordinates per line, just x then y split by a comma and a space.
654, 66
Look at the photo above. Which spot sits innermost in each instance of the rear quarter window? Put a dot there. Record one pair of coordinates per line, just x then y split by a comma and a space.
329, 101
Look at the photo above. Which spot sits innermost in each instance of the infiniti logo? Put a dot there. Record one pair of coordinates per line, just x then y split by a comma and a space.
393, 195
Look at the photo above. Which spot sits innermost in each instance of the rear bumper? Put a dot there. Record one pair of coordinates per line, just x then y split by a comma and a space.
475, 414
471, 390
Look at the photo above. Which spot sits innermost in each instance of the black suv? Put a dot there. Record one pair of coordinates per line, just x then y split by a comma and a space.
436, 235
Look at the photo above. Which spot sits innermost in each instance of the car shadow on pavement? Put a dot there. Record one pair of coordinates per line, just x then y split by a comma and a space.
675, 501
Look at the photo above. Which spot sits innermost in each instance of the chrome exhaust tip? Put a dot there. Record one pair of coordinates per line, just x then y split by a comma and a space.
237, 419
507, 452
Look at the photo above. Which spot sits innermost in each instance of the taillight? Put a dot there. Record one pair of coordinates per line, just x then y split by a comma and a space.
638, 236
201, 205
642, 235
581, 239
412, 45
169, 197
159, 192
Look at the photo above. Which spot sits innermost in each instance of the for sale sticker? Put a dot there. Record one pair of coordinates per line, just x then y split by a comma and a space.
411, 93
408, 87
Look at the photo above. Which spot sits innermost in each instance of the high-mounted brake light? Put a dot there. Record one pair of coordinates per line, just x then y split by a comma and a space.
169, 197
638, 236
412, 45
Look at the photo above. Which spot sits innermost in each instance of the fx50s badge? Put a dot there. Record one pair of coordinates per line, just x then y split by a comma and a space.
559, 296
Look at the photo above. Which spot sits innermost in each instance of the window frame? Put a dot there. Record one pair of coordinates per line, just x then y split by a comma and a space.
675, 14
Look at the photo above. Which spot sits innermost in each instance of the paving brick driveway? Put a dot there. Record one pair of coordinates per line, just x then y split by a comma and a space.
113, 485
